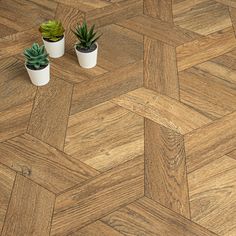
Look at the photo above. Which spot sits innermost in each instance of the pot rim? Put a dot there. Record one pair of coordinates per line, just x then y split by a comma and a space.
39, 69
53, 42
86, 52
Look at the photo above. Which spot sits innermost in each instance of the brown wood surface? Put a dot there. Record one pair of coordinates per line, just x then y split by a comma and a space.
148, 218
49, 117
98, 197
32, 214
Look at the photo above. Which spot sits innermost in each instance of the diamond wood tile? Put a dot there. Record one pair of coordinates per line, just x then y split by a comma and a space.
142, 144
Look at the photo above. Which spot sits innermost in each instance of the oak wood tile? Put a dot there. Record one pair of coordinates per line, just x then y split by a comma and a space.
105, 136
212, 192
205, 48
204, 17
98, 197
197, 84
14, 121
43, 164
50, 112
106, 87
165, 170
97, 228
7, 178
160, 73
32, 214
148, 218
210, 142
115, 12
157, 29
161, 9
162, 109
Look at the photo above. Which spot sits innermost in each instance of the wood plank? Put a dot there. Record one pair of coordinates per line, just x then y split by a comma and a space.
50, 168
196, 86
210, 142
32, 213
7, 178
69, 17
162, 109
87, 136
230, 3
160, 72
148, 218
130, 49
106, 87
203, 17
50, 111
212, 192
161, 9
97, 228
232, 12
115, 12
205, 48
232, 154
71, 71
160, 30
165, 170
14, 121
98, 197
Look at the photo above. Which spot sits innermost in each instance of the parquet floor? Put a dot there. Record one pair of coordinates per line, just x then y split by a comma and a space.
144, 144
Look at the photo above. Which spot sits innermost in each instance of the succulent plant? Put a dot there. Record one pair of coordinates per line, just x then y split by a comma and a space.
87, 37
52, 30
36, 57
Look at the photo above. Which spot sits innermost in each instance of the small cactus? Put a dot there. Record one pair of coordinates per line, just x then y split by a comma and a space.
36, 57
52, 30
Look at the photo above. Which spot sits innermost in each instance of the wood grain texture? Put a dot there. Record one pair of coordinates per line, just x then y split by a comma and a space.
7, 178
230, 3
98, 197
72, 72
14, 121
50, 113
161, 9
97, 228
203, 17
210, 142
232, 154
160, 30
128, 49
205, 48
87, 136
197, 84
162, 109
160, 72
32, 214
69, 17
43, 164
165, 172
115, 12
233, 17
148, 218
106, 87
212, 192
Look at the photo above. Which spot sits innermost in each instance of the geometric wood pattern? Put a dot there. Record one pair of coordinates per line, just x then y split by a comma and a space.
142, 144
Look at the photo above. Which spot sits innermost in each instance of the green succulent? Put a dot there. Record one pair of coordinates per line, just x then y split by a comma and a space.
36, 57
87, 37
52, 30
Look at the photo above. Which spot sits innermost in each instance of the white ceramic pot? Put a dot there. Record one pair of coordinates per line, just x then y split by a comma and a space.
87, 59
55, 49
39, 77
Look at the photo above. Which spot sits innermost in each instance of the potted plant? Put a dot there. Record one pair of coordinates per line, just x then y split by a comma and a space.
37, 64
86, 48
53, 38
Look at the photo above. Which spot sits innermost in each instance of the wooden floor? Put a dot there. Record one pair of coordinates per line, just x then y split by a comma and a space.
144, 144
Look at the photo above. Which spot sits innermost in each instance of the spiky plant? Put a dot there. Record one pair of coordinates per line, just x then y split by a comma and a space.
36, 57
52, 30
87, 37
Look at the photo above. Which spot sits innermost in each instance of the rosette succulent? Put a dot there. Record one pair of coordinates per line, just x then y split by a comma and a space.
87, 37
36, 57
52, 30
